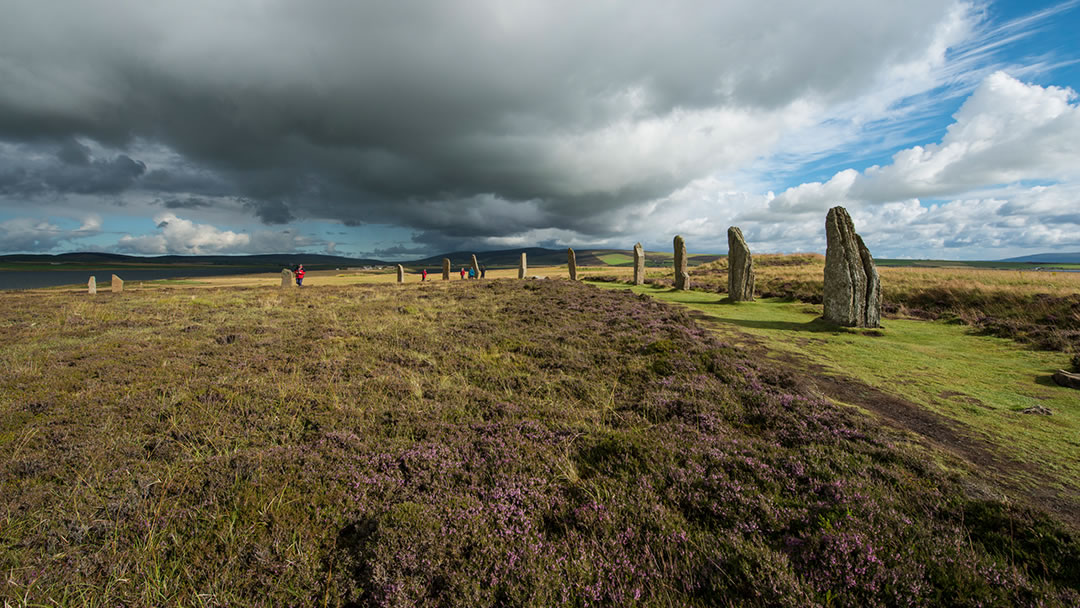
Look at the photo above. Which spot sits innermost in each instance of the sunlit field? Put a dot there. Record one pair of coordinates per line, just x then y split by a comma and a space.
498, 442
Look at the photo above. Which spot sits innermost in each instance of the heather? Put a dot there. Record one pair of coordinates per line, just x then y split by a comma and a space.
464, 444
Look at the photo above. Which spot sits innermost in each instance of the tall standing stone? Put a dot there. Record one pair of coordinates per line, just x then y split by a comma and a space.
117, 284
475, 266
571, 263
400, 273
92, 285
740, 282
523, 267
446, 269
639, 265
852, 295
682, 278
287, 278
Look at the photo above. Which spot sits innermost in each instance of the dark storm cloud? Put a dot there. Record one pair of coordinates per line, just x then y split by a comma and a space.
462, 119
190, 202
66, 167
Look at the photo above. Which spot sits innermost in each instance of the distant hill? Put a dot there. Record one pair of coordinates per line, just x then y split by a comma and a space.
275, 261
1048, 258
539, 256
504, 258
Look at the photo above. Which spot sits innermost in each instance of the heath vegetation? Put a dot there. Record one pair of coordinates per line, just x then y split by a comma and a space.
464, 444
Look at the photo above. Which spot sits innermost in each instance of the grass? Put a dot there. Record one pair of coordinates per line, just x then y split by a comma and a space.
1037, 308
470, 443
616, 259
983, 383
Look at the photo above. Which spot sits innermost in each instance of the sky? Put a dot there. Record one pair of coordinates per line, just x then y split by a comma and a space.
398, 130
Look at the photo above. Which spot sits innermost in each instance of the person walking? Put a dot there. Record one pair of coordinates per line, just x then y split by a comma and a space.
300, 275
483, 272
423, 275
472, 273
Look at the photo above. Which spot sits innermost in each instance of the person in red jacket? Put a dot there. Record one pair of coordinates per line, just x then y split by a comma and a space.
300, 275
463, 273
423, 275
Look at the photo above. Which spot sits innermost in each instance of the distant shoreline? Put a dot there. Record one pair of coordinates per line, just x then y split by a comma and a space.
37, 279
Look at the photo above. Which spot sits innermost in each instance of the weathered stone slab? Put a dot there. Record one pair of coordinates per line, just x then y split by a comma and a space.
475, 266
287, 278
117, 284
740, 267
92, 285
446, 269
571, 263
400, 273
852, 296
639, 264
1066, 379
682, 277
523, 267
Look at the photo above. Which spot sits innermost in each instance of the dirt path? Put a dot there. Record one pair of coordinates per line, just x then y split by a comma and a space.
991, 472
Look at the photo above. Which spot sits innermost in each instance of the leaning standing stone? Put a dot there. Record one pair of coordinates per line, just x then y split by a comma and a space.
446, 269
117, 284
523, 267
475, 266
92, 285
400, 273
682, 278
571, 263
852, 295
740, 267
639, 265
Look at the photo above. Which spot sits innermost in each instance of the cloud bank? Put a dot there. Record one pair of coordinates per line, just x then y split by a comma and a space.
486, 123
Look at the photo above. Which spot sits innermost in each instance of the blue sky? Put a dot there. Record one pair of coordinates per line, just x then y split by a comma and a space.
948, 130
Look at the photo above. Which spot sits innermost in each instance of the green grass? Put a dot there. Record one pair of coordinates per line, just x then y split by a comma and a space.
982, 382
616, 259
468, 443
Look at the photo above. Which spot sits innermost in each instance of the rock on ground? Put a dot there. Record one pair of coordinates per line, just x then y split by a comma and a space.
740, 267
639, 265
682, 278
852, 295
1067, 379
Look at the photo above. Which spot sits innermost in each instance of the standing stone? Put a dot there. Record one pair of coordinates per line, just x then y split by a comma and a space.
571, 263
446, 269
523, 267
287, 278
682, 278
117, 284
400, 273
852, 286
92, 285
639, 265
740, 283
475, 266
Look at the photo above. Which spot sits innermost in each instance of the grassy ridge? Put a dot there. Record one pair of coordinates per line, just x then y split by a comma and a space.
462, 444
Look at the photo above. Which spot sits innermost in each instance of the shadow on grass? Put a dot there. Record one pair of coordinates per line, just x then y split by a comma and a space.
815, 326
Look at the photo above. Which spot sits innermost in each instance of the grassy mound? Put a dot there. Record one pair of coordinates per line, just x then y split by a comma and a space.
462, 444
